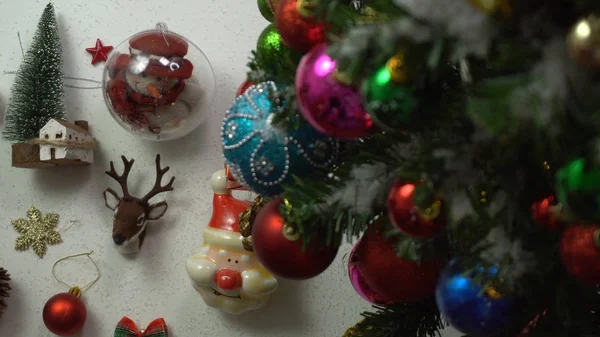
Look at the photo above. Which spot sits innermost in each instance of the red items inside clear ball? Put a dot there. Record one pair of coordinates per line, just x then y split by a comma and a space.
158, 84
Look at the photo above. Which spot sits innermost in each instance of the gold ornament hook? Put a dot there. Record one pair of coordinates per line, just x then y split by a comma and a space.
74, 290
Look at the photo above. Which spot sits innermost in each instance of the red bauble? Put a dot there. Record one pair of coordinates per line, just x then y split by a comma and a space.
283, 257
405, 216
298, 32
64, 314
580, 252
546, 213
360, 285
392, 277
243, 87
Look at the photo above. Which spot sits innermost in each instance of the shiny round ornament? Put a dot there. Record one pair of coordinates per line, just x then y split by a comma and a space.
389, 102
467, 306
262, 156
64, 314
580, 252
583, 42
394, 278
333, 108
282, 252
408, 218
270, 48
243, 87
158, 85
578, 188
297, 28
265, 10
546, 213
360, 284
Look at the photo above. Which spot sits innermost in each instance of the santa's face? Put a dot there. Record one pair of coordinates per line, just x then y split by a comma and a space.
150, 85
230, 279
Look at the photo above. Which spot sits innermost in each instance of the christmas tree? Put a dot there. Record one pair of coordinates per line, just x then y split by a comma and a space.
37, 93
457, 139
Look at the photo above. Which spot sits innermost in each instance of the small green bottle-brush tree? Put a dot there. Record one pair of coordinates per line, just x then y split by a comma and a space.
37, 93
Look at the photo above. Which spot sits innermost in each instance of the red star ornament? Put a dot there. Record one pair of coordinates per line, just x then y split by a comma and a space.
99, 52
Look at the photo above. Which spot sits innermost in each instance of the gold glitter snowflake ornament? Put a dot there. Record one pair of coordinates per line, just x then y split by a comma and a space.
36, 231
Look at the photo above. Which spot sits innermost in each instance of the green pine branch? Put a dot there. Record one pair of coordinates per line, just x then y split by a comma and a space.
37, 93
419, 319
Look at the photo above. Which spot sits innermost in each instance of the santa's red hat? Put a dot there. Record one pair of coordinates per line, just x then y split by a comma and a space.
223, 227
150, 54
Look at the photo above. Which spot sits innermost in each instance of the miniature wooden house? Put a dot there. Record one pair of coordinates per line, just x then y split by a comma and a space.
71, 134
60, 143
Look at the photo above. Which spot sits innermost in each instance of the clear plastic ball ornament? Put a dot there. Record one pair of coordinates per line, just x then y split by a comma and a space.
158, 85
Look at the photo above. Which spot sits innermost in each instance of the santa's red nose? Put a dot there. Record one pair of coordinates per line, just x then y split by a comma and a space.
228, 279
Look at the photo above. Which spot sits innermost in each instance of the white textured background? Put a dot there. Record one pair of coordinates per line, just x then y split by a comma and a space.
154, 283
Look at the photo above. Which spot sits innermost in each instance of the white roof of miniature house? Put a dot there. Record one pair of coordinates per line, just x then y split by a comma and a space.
71, 126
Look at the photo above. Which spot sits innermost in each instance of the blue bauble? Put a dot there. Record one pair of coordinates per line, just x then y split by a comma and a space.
261, 156
467, 307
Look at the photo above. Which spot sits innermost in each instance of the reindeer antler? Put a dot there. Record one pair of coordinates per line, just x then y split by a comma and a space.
121, 179
157, 185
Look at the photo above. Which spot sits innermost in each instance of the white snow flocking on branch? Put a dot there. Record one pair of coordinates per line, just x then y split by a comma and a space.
545, 95
364, 189
471, 27
502, 247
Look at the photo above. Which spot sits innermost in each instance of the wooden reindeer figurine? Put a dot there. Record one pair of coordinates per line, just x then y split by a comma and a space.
131, 213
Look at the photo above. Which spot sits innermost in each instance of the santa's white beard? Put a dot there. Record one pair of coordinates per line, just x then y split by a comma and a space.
253, 294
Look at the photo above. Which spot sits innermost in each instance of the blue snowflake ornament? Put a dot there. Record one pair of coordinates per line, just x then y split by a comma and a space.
263, 157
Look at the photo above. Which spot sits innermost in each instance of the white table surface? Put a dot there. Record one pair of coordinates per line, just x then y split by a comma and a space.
154, 283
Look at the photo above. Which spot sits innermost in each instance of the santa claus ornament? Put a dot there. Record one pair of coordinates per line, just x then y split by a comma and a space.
158, 84
226, 275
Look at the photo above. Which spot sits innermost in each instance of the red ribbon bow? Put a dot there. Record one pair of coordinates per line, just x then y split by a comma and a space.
128, 328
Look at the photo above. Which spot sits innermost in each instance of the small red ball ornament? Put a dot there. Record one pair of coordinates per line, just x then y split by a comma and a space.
546, 213
64, 314
360, 285
394, 278
580, 252
280, 250
298, 31
408, 218
243, 87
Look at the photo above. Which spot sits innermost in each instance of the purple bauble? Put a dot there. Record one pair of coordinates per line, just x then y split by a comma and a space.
360, 284
329, 106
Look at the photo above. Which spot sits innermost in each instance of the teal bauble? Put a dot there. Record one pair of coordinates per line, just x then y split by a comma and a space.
263, 157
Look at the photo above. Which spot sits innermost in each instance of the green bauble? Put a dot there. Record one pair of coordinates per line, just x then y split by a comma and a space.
389, 103
265, 10
578, 188
270, 47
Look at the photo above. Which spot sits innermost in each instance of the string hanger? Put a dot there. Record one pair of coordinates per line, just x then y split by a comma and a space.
75, 290
98, 86
162, 27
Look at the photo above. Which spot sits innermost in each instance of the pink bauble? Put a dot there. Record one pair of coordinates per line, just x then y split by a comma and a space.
329, 106
360, 284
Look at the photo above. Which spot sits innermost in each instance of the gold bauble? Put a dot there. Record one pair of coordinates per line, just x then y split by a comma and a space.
396, 68
583, 41
493, 7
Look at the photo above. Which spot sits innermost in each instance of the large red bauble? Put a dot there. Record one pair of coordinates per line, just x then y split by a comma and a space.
360, 285
283, 257
243, 87
545, 213
64, 314
405, 216
392, 277
580, 252
298, 32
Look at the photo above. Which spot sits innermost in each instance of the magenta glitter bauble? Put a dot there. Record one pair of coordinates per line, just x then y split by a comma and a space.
360, 284
329, 106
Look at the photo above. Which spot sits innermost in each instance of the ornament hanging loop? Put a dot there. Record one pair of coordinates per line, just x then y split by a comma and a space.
162, 27
74, 290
